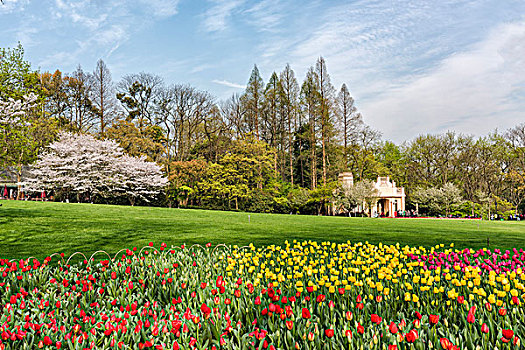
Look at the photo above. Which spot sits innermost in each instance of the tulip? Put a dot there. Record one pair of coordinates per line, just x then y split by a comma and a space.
502, 312
417, 323
393, 328
433, 319
306, 313
375, 319
445, 343
488, 306
329, 333
507, 333
516, 341
411, 336
484, 328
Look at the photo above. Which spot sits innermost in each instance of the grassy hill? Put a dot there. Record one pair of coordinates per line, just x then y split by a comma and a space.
40, 229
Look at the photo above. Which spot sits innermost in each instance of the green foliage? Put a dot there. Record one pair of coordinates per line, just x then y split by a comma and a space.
146, 142
16, 76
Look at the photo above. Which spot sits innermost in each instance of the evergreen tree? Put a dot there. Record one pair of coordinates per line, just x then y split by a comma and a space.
253, 102
310, 105
289, 104
326, 92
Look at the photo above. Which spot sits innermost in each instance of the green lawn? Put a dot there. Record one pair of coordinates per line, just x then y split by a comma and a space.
39, 229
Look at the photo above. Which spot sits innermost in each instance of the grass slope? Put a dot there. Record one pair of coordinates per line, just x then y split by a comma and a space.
39, 229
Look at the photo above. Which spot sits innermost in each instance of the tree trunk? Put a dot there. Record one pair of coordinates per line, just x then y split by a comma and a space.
323, 136
314, 161
290, 146
19, 187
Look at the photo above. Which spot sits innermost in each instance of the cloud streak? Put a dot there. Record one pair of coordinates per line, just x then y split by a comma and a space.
229, 84
217, 16
472, 91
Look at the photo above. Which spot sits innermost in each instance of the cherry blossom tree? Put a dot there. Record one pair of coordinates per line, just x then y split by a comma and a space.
84, 166
12, 111
137, 178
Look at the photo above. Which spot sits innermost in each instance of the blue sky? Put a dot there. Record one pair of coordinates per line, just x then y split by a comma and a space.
413, 66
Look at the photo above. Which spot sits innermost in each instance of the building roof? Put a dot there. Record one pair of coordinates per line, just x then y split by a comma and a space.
388, 189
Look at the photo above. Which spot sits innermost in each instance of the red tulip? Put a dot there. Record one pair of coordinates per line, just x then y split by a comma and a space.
417, 323
360, 329
289, 325
402, 324
329, 333
516, 341
502, 312
445, 343
484, 328
507, 333
411, 336
205, 309
393, 328
47, 340
433, 319
375, 319
306, 313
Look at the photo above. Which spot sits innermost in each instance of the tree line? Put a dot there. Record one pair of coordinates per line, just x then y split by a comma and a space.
276, 147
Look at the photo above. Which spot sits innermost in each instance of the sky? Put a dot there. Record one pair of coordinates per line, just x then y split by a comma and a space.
413, 67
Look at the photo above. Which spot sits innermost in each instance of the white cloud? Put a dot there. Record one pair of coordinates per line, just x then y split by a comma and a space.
101, 26
474, 91
229, 84
162, 8
10, 6
266, 15
216, 17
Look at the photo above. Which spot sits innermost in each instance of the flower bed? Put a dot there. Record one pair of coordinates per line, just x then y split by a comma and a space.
304, 295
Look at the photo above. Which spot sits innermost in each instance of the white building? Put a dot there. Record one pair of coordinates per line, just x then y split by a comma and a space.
390, 197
